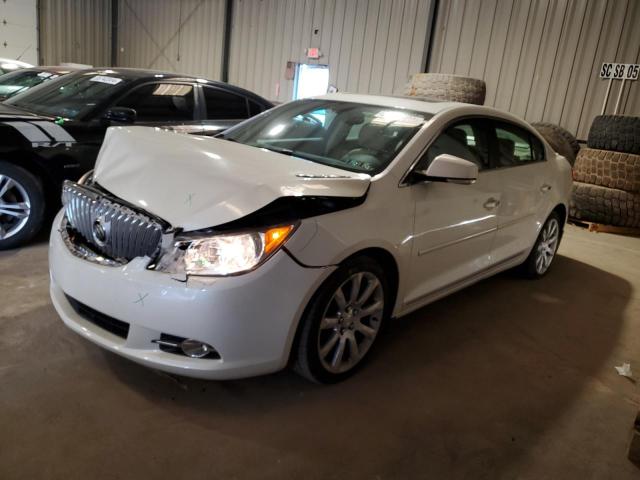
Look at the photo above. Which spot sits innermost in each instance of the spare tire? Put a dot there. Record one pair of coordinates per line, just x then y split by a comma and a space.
609, 169
615, 132
557, 140
604, 205
442, 86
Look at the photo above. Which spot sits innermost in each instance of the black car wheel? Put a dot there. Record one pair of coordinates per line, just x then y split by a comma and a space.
21, 206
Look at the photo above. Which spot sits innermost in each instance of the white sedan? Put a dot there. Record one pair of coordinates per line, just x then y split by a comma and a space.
292, 237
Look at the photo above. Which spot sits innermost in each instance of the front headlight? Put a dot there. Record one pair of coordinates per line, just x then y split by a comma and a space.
223, 254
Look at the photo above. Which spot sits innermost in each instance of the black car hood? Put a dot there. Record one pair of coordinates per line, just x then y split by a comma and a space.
9, 112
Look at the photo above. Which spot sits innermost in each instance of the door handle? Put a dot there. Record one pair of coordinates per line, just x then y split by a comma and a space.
545, 188
491, 203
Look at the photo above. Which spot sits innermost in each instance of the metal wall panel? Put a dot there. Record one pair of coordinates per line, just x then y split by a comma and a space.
184, 36
19, 30
371, 46
541, 58
74, 31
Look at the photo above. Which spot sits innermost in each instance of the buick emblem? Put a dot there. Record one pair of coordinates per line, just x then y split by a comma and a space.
100, 231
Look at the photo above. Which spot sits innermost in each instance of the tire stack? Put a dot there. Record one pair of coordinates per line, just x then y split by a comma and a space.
442, 86
560, 139
606, 175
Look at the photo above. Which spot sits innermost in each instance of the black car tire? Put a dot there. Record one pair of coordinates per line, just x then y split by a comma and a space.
33, 188
615, 132
306, 356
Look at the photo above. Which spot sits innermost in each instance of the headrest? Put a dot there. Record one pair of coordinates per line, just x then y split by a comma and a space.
354, 118
506, 145
371, 136
459, 135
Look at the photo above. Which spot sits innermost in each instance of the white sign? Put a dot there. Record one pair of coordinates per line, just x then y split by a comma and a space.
105, 79
620, 71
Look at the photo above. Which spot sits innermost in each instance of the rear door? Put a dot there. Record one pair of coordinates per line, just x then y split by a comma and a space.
518, 173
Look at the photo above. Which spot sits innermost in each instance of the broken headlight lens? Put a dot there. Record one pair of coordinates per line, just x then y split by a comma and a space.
223, 254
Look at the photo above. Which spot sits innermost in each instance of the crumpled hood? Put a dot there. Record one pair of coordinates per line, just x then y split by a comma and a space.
199, 182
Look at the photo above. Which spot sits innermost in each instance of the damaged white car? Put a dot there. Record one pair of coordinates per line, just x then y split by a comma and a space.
293, 237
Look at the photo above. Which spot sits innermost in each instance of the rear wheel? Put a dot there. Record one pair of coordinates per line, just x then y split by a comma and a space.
21, 206
544, 251
342, 321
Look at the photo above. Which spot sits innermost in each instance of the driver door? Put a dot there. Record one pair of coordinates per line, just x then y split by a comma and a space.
455, 224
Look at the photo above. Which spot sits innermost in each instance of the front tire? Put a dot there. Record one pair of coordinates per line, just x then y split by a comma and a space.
21, 206
342, 321
544, 250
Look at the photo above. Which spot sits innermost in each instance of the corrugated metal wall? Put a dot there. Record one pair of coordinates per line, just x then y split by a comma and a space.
19, 30
371, 46
75, 31
176, 35
541, 58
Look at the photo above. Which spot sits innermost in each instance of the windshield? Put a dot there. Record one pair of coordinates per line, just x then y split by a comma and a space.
16, 82
69, 96
352, 136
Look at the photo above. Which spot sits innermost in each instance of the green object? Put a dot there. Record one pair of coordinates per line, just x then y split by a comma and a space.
59, 121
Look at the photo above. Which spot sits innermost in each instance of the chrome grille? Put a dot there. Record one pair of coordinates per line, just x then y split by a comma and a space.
110, 228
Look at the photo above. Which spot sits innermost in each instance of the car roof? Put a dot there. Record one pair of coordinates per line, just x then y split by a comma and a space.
426, 105
52, 69
431, 106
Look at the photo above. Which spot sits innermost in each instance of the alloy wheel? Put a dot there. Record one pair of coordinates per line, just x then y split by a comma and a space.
547, 246
15, 207
351, 322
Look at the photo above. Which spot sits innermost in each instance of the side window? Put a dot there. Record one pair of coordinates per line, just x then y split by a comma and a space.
158, 102
254, 108
223, 105
516, 146
466, 139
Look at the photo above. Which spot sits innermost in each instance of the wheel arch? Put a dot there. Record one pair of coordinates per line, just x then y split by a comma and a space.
389, 264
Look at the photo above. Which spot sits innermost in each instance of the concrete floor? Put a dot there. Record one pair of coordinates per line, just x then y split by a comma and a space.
507, 379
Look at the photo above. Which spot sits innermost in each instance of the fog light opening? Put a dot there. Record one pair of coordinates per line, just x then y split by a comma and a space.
195, 349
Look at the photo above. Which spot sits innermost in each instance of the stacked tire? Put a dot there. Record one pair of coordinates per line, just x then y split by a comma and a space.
560, 139
606, 175
442, 86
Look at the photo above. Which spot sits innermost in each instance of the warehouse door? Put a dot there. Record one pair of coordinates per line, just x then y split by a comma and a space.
310, 80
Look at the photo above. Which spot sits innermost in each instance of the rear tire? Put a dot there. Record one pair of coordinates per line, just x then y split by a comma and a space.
338, 330
22, 206
544, 250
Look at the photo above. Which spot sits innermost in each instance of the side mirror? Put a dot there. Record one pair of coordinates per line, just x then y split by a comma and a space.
449, 168
121, 115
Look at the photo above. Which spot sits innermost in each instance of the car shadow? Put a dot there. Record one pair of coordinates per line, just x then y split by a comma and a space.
463, 386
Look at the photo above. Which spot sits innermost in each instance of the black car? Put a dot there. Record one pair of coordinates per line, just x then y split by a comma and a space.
20, 81
53, 132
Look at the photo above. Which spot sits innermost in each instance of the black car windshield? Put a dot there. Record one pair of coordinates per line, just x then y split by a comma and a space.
352, 136
18, 81
70, 96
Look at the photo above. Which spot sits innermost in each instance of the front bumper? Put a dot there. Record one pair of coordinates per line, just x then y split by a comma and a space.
249, 319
